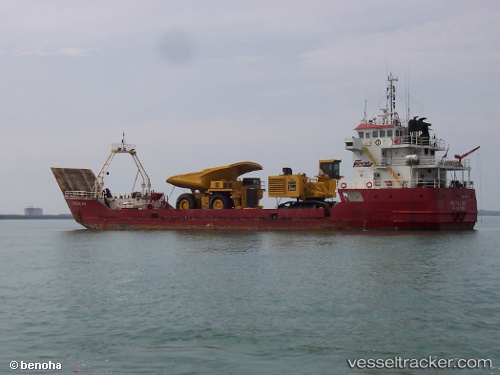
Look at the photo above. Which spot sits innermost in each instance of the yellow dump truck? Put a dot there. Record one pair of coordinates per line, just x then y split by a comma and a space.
219, 187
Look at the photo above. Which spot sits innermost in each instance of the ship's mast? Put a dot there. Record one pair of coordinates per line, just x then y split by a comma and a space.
408, 97
364, 120
390, 108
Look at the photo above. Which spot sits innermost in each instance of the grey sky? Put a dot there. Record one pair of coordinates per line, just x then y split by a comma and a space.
195, 84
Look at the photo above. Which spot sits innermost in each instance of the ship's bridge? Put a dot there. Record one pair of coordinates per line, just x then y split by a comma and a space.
390, 136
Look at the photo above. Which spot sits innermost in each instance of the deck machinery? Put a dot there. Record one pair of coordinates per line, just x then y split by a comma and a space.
308, 192
219, 187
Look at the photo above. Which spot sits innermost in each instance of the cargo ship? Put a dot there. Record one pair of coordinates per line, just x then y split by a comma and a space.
399, 182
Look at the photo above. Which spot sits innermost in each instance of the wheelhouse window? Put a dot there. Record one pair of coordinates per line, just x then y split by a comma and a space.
389, 133
382, 133
361, 135
367, 134
375, 134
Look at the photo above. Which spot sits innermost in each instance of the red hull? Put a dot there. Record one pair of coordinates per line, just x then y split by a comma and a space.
418, 208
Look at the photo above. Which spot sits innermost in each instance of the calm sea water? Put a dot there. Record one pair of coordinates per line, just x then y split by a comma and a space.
185, 302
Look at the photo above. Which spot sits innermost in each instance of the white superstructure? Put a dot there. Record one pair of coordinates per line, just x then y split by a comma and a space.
390, 154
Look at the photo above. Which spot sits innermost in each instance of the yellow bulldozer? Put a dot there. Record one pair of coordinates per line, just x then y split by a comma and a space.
307, 192
219, 187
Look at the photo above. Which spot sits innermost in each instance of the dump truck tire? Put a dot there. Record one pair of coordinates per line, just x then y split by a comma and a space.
220, 201
186, 201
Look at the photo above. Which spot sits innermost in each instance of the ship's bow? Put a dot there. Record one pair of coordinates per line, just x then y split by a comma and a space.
77, 185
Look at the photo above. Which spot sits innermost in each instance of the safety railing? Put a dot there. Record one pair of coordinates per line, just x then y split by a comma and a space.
80, 194
427, 183
426, 161
122, 147
416, 140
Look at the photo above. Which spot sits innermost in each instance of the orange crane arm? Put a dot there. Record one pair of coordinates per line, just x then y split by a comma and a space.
460, 157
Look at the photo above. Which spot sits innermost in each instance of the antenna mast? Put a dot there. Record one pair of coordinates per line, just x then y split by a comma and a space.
391, 100
364, 120
408, 96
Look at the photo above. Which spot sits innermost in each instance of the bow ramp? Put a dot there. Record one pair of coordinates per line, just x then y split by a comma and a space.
75, 180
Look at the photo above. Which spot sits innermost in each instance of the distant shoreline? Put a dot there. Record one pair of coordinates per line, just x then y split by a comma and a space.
41, 217
488, 213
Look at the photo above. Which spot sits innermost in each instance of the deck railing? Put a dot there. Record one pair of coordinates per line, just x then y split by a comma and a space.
424, 161
80, 194
123, 147
438, 144
379, 184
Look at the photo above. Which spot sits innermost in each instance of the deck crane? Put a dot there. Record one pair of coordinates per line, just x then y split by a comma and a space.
124, 148
460, 157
